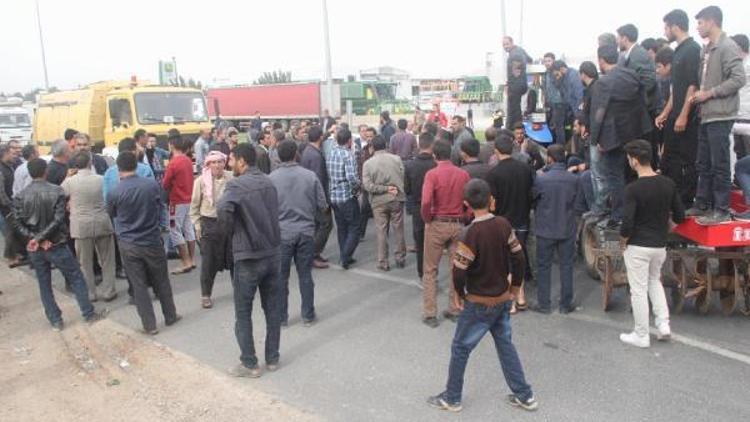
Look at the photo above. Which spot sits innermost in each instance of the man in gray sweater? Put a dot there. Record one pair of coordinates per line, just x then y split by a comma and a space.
301, 197
722, 76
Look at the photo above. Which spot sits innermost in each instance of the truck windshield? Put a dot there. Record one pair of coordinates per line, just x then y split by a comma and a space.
14, 120
170, 107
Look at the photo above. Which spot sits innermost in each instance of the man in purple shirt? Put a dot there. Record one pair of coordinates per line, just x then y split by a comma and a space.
403, 143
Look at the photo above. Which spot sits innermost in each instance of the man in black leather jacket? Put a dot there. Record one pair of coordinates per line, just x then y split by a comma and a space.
39, 215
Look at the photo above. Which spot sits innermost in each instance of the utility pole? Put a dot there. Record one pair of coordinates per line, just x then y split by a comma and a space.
503, 53
41, 41
520, 27
329, 71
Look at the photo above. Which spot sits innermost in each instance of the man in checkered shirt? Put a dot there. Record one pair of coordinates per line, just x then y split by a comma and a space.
344, 185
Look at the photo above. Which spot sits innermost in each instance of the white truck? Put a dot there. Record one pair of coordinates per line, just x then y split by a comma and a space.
15, 121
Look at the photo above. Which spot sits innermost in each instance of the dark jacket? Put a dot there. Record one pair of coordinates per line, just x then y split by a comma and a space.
414, 172
640, 62
7, 171
249, 211
39, 212
555, 193
618, 112
100, 164
387, 131
263, 159
135, 206
477, 169
313, 160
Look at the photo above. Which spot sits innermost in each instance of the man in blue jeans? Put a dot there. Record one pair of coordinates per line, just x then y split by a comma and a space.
344, 184
722, 76
39, 215
249, 210
555, 192
487, 251
301, 198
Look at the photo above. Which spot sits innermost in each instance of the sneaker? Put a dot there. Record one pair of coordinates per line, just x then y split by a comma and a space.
97, 316
744, 216
441, 403
242, 371
696, 211
150, 332
530, 404
573, 307
307, 323
58, 326
663, 332
714, 218
634, 339
431, 322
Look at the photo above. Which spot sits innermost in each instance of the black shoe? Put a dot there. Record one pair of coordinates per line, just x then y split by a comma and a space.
450, 316
58, 326
441, 403
530, 404
431, 322
696, 211
174, 321
538, 309
97, 316
111, 298
744, 216
573, 307
714, 218
120, 274
400, 264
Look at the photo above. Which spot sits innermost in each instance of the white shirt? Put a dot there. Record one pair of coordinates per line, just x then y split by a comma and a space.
21, 178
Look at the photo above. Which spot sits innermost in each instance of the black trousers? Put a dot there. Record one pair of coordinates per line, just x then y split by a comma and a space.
216, 254
147, 266
678, 160
418, 232
514, 110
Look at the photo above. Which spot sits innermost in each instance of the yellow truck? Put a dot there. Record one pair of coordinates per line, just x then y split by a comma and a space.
113, 110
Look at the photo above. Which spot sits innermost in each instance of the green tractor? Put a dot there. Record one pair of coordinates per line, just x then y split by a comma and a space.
372, 97
476, 89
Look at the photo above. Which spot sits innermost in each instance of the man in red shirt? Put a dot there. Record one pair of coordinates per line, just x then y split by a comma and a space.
442, 212
178, 182
438, 116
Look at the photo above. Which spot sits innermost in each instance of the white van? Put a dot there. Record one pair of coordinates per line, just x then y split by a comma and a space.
15, 121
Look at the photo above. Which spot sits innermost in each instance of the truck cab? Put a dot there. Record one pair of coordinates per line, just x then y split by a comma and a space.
15, 121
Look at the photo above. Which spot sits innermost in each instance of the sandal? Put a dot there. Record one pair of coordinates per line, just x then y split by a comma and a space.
513, 309
182, 271
522, 306
207, 303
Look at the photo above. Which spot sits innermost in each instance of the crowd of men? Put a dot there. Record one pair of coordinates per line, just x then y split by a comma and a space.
255, 207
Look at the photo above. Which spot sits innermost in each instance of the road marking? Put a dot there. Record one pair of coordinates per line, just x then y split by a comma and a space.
677, 338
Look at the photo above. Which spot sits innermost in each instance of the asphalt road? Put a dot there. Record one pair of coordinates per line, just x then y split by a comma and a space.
369, 358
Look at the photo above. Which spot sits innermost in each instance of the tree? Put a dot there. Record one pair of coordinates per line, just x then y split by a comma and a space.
182, 81
191, 83
275, 77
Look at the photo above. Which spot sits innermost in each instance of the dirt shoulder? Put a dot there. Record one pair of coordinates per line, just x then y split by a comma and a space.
107, 372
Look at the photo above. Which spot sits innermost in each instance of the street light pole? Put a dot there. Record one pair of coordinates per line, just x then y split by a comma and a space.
41, 41
329, 71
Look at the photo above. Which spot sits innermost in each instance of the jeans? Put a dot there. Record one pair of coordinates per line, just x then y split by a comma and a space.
545, 251
600, 202
302, 250
713, 166
612, 170
347, 228
558, 122
742, 174
61, 257
473, 323
643, 266
249, 276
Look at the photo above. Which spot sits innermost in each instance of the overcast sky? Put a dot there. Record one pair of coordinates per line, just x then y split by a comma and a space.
222, 41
